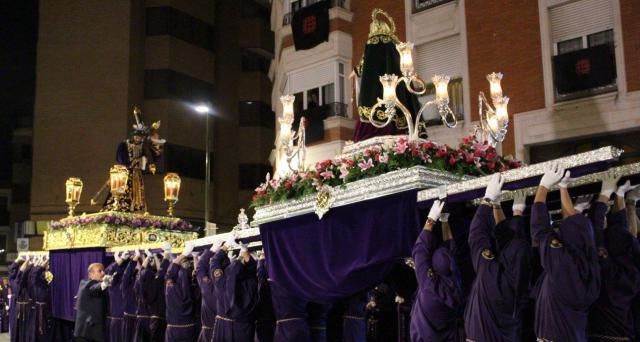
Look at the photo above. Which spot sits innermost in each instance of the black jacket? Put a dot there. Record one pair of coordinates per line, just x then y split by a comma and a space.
91, 311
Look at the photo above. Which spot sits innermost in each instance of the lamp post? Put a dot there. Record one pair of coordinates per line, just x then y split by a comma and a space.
206, 110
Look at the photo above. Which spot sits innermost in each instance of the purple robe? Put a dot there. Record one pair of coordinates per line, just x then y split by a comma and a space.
4, 303
501, 285
435, 315
318, 321
181, 325
154, 294
208, 295
236, 287
571, 279
129, 301
291, 316
116, 303
40, 314
14, 274
354, 322
611, 314
23, 306
143, 310
265, 321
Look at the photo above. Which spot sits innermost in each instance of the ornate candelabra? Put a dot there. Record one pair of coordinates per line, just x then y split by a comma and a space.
171, 191
73, 191
493, 121
289, 144
416, 86
118, 176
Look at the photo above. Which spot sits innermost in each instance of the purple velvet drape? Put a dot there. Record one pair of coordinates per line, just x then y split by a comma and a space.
68, 268
351, 249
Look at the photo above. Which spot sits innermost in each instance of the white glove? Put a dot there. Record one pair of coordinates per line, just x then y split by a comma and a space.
125, 255
136, 254
148, 253
552, 175
399, 300
583, 203
166, 246
231, 241
117, 257
106, 282
609, 185
624, 188
231, 256
444, 217
215, 246
494, 188
566, 180
633, 195
436, 210
519, 201
188, 248
244, 247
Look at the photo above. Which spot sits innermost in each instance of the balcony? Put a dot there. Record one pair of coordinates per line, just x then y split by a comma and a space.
286, 19
314, 129
585, 72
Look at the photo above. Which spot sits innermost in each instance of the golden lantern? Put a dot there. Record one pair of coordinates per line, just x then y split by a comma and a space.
73, 191
171, 190
118, 176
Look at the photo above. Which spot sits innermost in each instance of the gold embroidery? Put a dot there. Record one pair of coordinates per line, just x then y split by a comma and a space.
381, 116
487, 254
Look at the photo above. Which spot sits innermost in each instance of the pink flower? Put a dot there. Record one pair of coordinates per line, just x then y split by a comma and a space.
401, 146
384, 158
491, 165
452, 161
442, 152
366, 164
467, 140
367, 153
468, 157
327, 174
344, 172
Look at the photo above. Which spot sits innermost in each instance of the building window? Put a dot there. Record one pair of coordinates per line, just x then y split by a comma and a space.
169, 84
585, 66
583, 44
172, 22
253, 62
251, 175
185, 161
296, 5
421, 5
255, 114
441, 56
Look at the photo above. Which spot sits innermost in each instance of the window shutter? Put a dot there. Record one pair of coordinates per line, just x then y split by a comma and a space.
580, 18
312, 78
443, 56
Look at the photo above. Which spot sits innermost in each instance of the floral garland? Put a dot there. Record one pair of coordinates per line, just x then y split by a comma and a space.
128, 220
470, 158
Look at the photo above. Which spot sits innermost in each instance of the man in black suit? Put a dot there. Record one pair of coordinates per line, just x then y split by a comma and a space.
91, 305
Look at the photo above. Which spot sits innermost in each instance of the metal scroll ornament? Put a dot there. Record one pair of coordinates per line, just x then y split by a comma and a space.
324, 201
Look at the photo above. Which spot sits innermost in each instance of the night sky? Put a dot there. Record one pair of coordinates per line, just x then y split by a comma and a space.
18, 40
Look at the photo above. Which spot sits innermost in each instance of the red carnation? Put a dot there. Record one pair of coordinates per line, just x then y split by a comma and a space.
452, 161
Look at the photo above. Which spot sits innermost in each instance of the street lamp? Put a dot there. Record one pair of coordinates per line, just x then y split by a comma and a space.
206, 110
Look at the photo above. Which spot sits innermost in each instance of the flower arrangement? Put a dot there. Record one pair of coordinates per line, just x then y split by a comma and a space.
470, 158
125, 219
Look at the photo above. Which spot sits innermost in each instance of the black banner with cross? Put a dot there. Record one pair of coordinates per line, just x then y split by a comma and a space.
310, 25
584, 69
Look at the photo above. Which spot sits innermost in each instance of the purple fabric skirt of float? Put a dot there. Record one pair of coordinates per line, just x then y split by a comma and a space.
351, 249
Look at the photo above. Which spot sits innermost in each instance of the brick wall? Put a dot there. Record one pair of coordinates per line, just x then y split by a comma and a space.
630, 12
505, 36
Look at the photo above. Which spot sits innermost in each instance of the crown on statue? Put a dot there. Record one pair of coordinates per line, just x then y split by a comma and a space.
139, 128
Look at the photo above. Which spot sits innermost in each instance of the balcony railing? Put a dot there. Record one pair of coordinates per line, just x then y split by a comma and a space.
421, 5
286, 19
314, 130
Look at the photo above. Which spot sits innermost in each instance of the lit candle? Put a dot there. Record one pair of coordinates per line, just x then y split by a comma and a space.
389, 83
441, 82
171, 186
494, 84
287, 106
501, 108
406, 59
